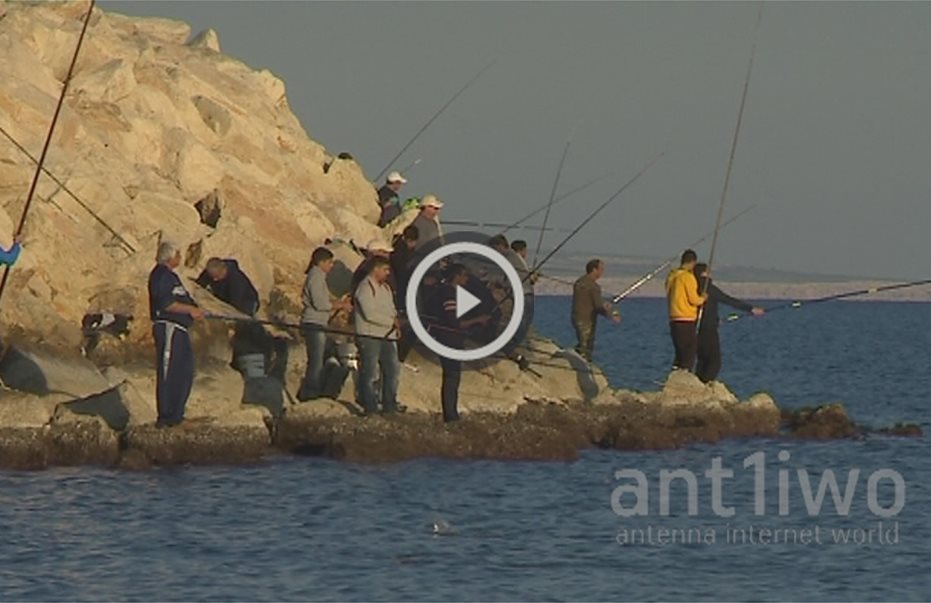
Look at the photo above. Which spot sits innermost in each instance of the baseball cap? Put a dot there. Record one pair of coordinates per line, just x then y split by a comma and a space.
431, 201
377, 245
397, 177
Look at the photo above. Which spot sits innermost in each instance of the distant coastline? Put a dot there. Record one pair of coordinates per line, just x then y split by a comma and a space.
801, 290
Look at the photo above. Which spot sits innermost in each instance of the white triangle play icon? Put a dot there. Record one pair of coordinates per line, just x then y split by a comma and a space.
465, 301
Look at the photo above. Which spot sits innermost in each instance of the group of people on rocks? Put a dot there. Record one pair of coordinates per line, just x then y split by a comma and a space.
368, 321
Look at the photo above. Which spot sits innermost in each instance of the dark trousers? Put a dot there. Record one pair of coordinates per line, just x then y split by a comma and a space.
315, 339
175, 365
452, 375
685, 342
585, 332
709, 354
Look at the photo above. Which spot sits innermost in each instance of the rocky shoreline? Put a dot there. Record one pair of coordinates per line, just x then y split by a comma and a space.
115, 427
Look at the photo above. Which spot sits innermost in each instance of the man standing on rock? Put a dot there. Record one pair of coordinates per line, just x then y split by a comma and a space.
377, 327
428, 222
587, 304
500, 244
451, 332
709, 343
173, 311
684, 301
389, 203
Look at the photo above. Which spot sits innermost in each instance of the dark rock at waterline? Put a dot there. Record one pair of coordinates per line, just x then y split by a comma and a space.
827, 422
902, 430
66, 444
537, 431
193, 442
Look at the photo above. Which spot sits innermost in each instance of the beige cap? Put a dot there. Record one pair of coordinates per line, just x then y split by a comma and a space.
377, 245
431, 201
397, 177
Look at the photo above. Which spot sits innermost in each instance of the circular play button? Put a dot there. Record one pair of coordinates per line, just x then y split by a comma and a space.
466, 301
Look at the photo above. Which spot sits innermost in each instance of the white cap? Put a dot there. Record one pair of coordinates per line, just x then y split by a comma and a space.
430, 201
397, 177
377, 245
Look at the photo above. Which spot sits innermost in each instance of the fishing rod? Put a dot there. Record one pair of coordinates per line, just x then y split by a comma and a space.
560, 198
432, 119
549, 206
649, 275
499, 225
597, 211
730, 165
818, 300
415, 163
48, 139
71, 193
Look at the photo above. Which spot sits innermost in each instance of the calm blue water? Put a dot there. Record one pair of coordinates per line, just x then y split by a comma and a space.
314, 529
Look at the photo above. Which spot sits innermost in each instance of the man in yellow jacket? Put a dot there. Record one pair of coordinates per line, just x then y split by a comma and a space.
684, 300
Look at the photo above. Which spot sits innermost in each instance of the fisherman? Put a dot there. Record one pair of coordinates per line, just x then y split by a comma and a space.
9, 256
428, 221
389, 201
500, 244
587, 303
173, 311
709, 344
520, 248
684, 301
319, 308
228, 283
451, 332
402, 259
377, 327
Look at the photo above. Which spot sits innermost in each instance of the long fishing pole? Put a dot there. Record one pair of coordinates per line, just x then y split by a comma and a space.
48, 139
71, 193
432, 119
730, 165
549, 206
839, 296
597, 211
650, 275
559, 199
499, 225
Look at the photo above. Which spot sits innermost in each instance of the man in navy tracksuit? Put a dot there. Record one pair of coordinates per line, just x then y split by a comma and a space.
173, 311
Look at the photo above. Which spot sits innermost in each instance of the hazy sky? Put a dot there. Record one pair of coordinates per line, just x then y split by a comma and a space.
835, 146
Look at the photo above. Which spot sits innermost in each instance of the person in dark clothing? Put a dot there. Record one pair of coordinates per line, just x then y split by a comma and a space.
451, 332
173, 311
402, 266
587, 304
709, 344
228, 283
389, 203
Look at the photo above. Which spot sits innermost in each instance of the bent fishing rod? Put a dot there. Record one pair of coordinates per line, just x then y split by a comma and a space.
730, 164
432, 119
584, 223
650, 275
839, 296
549, 205
48, 139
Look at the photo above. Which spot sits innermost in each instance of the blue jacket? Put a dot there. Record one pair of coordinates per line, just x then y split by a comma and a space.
9, 256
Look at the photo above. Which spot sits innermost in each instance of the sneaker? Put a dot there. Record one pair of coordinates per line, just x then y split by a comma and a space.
396, 409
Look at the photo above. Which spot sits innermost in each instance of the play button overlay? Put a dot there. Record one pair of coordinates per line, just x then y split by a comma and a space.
466, 301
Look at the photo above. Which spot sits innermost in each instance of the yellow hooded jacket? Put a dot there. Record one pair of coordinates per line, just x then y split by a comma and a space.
682, 295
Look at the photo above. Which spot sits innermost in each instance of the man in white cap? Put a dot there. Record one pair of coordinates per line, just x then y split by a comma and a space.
389, 203
428, 221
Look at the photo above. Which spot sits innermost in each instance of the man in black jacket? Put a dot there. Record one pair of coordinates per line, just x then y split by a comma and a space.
709, 344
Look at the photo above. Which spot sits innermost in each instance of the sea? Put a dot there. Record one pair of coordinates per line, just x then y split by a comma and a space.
754, 519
